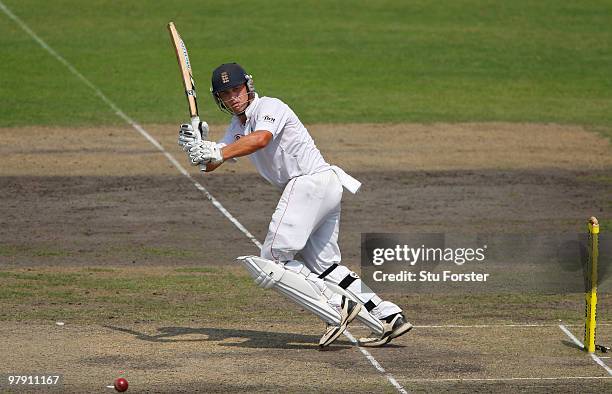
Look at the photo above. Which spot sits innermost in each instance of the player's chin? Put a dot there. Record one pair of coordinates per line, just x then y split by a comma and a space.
237, 110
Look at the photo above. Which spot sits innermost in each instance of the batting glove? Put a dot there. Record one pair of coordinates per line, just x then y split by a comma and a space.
204, 152
188, 135
200, 125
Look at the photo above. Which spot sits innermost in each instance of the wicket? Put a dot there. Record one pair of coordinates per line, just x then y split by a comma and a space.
591, 286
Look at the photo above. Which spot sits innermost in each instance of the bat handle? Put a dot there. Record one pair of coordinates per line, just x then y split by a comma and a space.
195, 123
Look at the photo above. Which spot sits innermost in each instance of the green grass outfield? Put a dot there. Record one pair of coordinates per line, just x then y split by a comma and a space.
333, 61
160, 294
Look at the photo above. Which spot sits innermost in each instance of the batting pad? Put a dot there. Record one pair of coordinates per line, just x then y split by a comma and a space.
269, 274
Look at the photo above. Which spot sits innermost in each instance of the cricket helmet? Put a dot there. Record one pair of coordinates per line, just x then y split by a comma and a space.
227, 76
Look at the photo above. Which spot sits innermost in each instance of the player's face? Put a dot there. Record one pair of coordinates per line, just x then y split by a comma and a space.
236, 98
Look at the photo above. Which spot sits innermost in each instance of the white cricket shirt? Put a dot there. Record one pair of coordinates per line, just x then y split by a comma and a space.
292, 151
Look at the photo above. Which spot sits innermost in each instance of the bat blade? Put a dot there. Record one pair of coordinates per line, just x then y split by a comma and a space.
182, 56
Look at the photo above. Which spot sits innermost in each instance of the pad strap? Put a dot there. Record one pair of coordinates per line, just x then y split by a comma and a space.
346, 282
369, 305
328, 271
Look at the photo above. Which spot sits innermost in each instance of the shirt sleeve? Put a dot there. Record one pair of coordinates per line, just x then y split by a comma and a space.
272, 117
227, 139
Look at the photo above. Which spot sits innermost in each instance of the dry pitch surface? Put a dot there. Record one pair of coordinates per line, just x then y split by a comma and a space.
105, 197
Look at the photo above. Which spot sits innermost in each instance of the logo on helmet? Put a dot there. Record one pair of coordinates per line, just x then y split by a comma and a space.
225, 77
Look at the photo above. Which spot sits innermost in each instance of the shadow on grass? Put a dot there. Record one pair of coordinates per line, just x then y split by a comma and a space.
245, 338
571, 344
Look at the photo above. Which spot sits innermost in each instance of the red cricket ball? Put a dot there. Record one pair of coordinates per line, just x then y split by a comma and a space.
121, 384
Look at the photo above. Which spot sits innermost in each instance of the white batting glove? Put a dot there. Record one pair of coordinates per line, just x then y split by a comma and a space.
204, 152
188, 135
200, 125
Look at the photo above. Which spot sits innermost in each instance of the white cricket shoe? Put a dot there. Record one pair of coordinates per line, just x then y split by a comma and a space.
393, 327
349, 310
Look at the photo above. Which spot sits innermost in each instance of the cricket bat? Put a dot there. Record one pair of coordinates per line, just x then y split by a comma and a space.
182, 57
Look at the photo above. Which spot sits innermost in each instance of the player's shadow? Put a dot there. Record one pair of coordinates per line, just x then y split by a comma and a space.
232, 337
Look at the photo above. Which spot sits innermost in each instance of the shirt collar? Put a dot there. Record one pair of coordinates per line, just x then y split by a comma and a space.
251, 108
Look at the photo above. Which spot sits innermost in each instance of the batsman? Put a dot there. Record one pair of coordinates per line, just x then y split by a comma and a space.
307, 218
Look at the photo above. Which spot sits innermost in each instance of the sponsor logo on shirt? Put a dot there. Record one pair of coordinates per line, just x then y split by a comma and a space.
268, 118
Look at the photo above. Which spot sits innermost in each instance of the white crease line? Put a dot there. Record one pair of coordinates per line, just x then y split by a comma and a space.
577, 342
433, 380
171, 158
484, 325
601, 363
526, 325
517, 325
375, 363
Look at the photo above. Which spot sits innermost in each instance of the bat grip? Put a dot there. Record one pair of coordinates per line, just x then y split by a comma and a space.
195, 123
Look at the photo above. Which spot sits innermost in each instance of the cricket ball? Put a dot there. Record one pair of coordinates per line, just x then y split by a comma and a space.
121, 384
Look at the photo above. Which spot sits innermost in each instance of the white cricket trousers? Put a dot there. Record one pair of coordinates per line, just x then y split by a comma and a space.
307, 221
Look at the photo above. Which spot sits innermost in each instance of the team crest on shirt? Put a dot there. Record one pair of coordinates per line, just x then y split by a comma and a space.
268, 118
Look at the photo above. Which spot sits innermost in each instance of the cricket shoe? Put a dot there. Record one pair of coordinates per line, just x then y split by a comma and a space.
393, 326
349, 310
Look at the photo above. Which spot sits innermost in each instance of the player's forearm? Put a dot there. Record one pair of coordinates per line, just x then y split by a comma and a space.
237, 149
246, 145
211, 167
